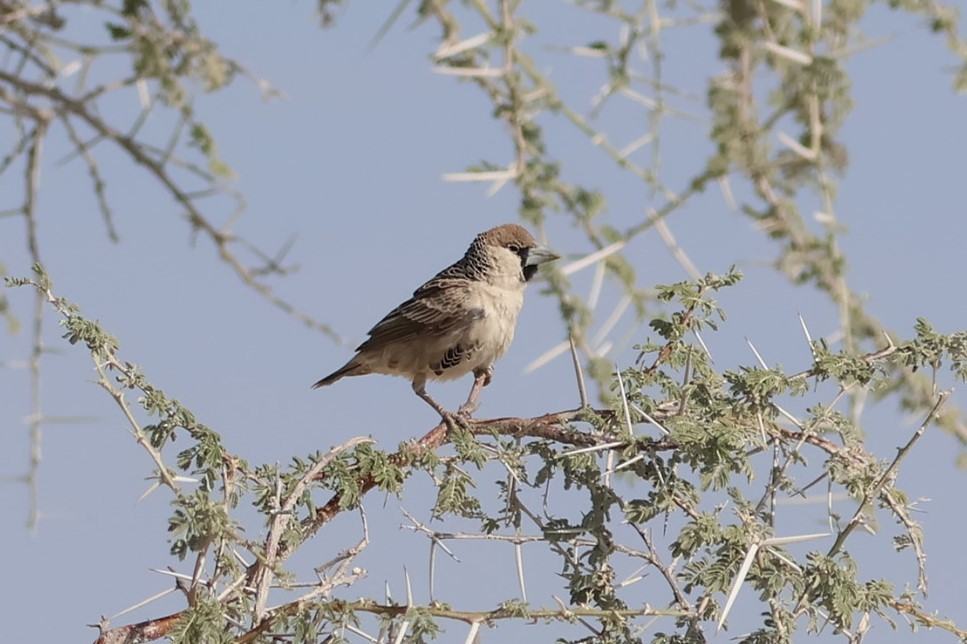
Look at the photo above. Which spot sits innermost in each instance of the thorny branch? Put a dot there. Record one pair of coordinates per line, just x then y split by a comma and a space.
554, 427
882, 490
805, 165
605, 433
518, 104
261, 572
48, 80
222, 238
32, 181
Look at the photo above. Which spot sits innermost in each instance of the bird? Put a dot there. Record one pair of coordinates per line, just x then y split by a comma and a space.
459, 322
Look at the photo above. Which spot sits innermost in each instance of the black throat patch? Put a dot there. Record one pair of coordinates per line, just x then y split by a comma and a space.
530, 270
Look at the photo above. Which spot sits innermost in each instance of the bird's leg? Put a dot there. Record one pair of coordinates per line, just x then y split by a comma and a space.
481, 378
419, 387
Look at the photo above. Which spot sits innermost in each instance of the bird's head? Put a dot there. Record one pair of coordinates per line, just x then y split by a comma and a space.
511, 250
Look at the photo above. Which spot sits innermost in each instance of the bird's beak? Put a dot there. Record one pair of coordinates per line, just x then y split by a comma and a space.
540, 255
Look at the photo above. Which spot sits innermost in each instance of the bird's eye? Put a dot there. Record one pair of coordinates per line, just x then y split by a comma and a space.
514, 248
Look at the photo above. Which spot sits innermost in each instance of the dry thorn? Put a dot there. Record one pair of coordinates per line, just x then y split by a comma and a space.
361, 633
144, 602
809, 337
519, 561
472, 632
762, 363
452, 49
578, 374
698, 336
661, 225
546, 357
610, 323
592, 259
594, 448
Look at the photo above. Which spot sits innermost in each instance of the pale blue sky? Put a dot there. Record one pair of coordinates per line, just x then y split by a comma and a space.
351, 161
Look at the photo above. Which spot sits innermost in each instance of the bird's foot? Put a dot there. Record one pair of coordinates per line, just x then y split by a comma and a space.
466, 409
454, 420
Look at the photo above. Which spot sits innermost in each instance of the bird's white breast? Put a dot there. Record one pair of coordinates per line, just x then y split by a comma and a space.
494, 331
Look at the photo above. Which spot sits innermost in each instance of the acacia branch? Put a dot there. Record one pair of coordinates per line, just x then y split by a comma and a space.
221, 238
885, 477
392, 611
146, 631
283, 516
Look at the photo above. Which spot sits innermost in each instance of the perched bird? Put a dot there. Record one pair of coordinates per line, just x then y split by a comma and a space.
459, 322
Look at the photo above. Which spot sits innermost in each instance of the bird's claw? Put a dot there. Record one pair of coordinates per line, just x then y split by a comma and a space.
466, 410
454, 420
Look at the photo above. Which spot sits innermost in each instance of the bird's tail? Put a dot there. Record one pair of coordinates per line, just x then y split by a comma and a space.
351, 368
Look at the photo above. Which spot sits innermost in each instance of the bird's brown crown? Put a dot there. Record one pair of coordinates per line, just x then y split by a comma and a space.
508, 235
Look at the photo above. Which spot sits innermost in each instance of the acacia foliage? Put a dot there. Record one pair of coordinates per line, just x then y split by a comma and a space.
681, 481
682, 473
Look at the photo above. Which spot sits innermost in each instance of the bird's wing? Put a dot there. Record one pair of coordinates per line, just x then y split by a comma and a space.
436, 308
